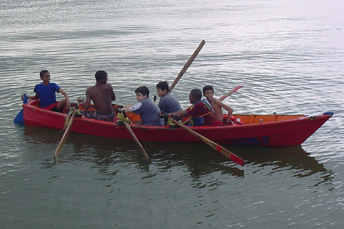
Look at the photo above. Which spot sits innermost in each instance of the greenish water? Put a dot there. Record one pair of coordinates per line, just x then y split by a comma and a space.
287, 55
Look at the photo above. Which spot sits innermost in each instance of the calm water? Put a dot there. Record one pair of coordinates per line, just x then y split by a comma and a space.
288, 55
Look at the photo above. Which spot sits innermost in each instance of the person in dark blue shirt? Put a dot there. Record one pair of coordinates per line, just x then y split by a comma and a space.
46, 93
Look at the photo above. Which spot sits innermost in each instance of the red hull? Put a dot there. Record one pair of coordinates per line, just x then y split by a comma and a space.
281, 130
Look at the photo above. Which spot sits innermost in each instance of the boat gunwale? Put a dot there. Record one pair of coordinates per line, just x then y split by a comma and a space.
298, 117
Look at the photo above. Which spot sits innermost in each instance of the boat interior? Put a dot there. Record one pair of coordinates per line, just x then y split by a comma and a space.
240, 118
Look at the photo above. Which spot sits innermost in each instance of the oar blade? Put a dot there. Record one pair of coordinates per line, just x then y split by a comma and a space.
227, 153
237, 88
19, 119
237, 159
212, 144
136, 140
229, 93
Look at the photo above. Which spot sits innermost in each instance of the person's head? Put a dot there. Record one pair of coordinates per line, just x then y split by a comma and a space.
45, 76
195, 95
208, 92
141, 93
101, 76
162, 88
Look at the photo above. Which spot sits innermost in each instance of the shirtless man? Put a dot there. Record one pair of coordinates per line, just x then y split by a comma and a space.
102, 95
217, 105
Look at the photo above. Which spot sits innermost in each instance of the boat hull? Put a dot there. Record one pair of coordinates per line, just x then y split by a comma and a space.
275, 130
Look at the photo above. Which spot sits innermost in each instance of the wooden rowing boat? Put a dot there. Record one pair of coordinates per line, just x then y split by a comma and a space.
266, 130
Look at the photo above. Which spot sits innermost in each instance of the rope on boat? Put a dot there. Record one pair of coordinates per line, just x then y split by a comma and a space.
169, 121
121, 116
70, 112
67, 118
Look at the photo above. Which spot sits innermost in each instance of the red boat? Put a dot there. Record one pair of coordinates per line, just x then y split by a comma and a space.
266, 130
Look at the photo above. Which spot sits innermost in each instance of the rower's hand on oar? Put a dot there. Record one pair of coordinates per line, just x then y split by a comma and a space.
124, 114
117, 107
164, 115
79, 99
68, 105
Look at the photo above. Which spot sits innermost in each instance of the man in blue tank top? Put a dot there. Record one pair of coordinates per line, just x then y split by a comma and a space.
147, 109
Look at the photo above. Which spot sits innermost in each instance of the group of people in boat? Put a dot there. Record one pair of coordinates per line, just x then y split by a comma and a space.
202, 112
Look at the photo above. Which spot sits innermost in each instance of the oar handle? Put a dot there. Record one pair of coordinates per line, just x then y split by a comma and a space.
187, 65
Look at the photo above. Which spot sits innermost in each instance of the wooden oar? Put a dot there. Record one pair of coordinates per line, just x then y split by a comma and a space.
187, 65
212, 144
65, 135
229, 93
126, 124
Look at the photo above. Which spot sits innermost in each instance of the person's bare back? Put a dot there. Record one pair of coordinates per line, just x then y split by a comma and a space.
102, 96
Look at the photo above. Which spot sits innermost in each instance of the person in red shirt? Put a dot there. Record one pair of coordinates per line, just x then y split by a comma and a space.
201, 112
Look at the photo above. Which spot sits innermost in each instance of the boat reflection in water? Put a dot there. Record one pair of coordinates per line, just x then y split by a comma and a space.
198, 158
295, 159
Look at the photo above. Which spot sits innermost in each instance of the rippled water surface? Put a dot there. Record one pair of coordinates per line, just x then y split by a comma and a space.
287, 55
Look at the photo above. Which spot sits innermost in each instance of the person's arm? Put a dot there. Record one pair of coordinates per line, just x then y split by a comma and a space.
126, 109
36, 96
30, 97
178, 114
66, 97
130, 109
87, 102
113, 96
228, 108
162, 104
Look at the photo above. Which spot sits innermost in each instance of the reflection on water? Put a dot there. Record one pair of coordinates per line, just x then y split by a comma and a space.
288, 56
294, 159
198, 158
